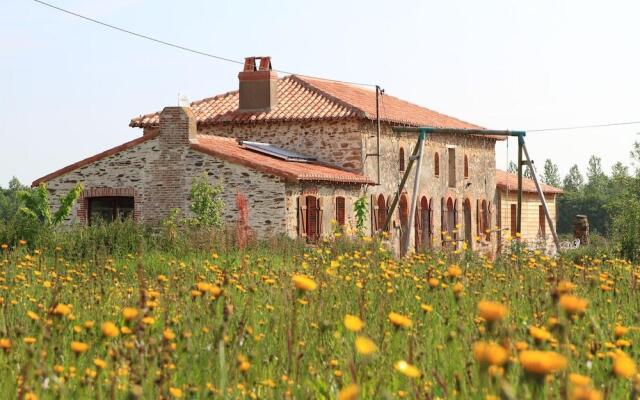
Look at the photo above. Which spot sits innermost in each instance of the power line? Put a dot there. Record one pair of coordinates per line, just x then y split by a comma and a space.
187, 49
567, 128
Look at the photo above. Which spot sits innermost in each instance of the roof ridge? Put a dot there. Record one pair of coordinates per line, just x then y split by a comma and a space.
309, 85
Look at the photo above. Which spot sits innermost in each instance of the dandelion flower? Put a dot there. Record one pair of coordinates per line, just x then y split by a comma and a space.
579, 380
304, 283
168, 334
79, 347
365, 346
407, 369
490, 353
100, 363
492, 311
350, 392
5, 344
454, 271
400, 320
29, 340
540, 334
353, 323
542, 362
62, 310
623, 366
129, 313
109, 329
175, 392
573, 304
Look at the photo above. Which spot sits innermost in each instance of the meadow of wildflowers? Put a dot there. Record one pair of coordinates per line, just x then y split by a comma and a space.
323, 324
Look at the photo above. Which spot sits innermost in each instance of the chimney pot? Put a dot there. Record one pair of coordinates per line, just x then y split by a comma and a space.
258, 87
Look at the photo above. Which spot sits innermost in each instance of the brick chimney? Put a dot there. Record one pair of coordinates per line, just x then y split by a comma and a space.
258, 86
177, 126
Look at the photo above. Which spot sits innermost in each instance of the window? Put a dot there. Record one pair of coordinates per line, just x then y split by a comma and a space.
541, 221
108, 209
514, 219
436, 165
401, 160
466, 167
340, 212
452, 167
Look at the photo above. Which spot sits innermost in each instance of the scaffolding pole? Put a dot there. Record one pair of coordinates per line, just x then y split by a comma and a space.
542, 199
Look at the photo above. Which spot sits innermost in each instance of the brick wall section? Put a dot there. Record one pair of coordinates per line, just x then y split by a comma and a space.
167, 181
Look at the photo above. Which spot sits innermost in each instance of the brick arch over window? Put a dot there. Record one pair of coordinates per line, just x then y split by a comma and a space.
95, 192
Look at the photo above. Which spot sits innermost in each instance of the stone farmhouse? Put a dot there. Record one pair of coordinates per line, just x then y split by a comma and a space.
302, 150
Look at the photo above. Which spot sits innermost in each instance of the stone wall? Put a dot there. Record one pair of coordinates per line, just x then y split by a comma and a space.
478, 186
334, 142
159, 172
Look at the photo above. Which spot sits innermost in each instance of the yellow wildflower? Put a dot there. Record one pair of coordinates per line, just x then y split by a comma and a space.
400, 320
304, 283
353, 323
365, 346
407, 369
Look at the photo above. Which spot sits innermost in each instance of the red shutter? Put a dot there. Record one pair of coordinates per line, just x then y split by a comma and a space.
374, 214
430, 224
419, 228
340, 210
478, 217
302, 220
320, 216
312, 217
443, 218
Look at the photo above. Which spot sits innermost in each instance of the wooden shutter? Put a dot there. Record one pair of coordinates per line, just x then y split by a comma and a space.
374, 214
430, 224
340, 210
418, 227
443, 218
478, 217
302, 214
320, 216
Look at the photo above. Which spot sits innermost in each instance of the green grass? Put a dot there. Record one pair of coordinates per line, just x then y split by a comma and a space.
295, 342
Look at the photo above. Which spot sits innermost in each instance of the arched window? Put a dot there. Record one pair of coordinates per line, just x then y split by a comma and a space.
436, 165
340, 211
466, 167
401, 160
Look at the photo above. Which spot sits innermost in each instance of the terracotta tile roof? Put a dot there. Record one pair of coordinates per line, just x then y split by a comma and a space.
508, 181
301, 99
229, 149
93, 158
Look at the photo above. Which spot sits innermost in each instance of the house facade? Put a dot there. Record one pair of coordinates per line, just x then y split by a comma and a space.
534, 230
302, 150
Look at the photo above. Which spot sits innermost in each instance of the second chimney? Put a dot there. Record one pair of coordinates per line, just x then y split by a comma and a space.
258, 85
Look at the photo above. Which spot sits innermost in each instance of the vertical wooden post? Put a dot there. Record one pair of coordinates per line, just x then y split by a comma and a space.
542, 199
414, 197
519, 210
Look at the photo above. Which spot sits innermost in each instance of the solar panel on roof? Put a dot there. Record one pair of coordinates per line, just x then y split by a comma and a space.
275, 151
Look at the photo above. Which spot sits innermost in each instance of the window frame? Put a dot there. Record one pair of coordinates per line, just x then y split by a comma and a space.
116, 207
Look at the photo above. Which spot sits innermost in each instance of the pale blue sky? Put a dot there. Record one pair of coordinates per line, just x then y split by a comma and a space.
68, 88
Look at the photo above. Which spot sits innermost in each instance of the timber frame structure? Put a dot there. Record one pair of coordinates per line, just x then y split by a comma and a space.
417, 153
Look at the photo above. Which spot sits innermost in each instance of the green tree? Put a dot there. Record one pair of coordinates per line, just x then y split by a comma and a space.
550, 175
596, 178
206, 204
37, 207
574, 181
